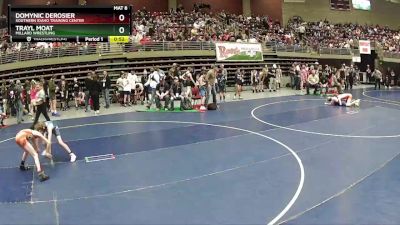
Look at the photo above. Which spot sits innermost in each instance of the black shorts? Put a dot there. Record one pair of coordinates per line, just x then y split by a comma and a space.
239, 82
221, 88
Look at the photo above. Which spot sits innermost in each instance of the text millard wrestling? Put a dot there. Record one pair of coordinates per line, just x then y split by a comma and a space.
34, 30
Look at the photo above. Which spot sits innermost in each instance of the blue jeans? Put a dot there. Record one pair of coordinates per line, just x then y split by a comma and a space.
106, 94
19, 110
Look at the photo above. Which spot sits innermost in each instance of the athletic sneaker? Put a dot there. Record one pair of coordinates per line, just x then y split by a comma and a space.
24, 168
42, 176
73, 157
203, 108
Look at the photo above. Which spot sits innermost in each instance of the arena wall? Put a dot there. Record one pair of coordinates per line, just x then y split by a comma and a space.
382, 13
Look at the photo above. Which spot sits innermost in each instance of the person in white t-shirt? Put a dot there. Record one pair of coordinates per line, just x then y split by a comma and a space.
132, 78
126, 86
154, 79
120, 87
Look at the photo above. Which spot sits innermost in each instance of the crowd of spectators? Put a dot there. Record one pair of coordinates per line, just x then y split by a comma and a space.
202, 25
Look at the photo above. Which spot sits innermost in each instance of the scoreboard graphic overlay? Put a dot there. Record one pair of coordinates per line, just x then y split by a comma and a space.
69, 23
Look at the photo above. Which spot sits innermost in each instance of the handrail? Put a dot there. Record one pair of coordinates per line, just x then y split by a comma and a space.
105, 48
395, 55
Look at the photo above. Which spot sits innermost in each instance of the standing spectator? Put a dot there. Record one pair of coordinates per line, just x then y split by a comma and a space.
152, 82
211, 81
88, 81
351, 76
368, 71
239, 83
27, 87
18, 101
4, 95
394, 78
76, 89
52, 96
63, 94
377, 75
120, 88
272, 79
94, 92
127, 90
40, 103
187, 81
202, 84
254, 79
278, 76
221, 85
132, 79
106, 86
143, 80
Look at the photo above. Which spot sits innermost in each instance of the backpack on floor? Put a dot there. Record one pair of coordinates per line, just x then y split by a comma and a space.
212, 106
186, 104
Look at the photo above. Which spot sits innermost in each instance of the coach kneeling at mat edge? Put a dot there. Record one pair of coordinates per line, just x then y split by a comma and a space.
162, 93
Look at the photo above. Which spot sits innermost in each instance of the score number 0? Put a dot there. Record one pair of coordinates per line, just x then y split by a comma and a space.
121, 18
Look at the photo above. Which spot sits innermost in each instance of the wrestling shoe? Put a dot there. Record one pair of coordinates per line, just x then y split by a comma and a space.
73, 157
47, 155
42, 176
24, 168
357, 103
